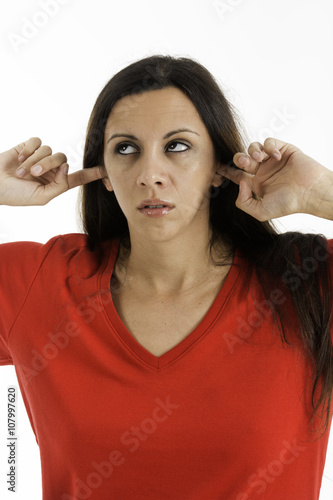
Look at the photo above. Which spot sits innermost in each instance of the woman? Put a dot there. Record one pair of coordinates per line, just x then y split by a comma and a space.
181, 348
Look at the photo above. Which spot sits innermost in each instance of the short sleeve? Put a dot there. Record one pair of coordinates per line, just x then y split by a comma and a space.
19, 264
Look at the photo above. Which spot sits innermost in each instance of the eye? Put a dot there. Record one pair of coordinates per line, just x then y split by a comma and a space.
177, 147
122, 149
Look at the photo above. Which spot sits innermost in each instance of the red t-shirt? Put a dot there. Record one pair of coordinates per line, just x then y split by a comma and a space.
222, 415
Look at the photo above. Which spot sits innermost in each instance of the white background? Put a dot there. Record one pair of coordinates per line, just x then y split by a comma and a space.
272, 58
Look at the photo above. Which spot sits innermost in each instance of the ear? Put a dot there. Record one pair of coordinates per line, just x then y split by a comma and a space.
107, 183
218, 178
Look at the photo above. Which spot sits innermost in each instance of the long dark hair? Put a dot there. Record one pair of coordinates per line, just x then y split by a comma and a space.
297, 263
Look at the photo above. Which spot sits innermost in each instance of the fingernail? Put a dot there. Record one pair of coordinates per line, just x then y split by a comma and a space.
242, 160
276, 155
20, 172
256, 155
21, 158
36, 170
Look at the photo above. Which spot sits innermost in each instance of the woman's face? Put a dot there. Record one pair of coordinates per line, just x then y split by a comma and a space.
151, 160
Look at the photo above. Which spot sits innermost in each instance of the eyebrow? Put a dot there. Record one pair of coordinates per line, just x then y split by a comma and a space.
169, 134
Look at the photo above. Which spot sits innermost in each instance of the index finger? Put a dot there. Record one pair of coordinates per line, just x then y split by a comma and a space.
28, 147
85, 176
234, 173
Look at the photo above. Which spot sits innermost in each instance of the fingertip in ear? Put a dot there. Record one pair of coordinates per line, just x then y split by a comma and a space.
218, 179
107, 183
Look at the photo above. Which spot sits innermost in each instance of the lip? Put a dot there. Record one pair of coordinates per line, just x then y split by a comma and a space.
155, 212
154, 201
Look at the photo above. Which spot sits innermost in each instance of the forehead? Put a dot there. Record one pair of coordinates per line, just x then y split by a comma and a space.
157, 109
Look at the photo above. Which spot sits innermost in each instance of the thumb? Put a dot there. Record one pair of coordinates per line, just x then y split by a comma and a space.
246, 202
46, 192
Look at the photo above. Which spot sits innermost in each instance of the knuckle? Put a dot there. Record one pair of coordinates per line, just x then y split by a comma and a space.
46, 149
255, 144
62, 157
270, 141
35, 139
33, 144
44, 163
53, 161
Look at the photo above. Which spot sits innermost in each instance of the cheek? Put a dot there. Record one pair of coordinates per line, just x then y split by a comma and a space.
201, 176
123, 201
201, 199
196, 193
117, 177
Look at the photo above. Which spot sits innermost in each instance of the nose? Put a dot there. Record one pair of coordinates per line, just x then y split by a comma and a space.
152, 171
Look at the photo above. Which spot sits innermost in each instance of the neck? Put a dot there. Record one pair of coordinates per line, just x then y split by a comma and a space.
166, 267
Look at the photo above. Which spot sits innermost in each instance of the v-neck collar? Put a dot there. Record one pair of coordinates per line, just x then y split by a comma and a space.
184, 345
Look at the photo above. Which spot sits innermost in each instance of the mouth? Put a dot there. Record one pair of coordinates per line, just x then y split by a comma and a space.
155, 208
154, 203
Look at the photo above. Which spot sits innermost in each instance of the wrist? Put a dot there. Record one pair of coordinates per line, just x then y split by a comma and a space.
320, 199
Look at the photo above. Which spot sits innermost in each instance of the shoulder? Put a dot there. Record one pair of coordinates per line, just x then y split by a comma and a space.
26, 258
21, 253
61, 244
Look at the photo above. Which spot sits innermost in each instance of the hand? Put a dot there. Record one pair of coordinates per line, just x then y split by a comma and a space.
284, 180
38, 189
